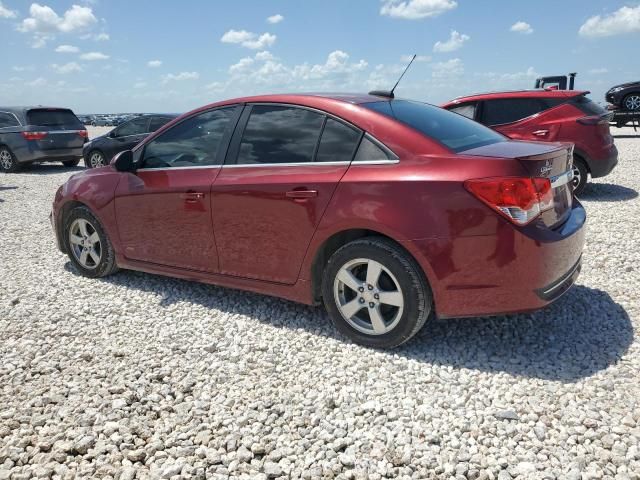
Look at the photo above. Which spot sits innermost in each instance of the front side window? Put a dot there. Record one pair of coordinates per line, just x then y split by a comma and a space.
137, 126
453, 131
338, 142
7, 120
157, 122
509, 110
195, 141
279, 134
467, 110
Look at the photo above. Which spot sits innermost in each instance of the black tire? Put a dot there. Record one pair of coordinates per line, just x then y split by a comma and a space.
631, 102
107, 263
71, 163
8, 161
417, 297
580, 175
91, 160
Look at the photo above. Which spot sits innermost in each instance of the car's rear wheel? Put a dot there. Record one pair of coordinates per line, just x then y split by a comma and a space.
8, 162
96, 159
87, 244
375, 293
71, 163
632, 102
580, 175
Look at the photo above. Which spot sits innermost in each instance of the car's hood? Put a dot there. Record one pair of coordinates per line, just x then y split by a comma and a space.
625, 85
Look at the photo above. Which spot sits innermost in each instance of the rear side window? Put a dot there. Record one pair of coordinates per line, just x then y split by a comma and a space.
157, 122
338, 142
587, 106
454, 131
278, 134
8, 120
52, 118
369, 151
467, 110
509, 110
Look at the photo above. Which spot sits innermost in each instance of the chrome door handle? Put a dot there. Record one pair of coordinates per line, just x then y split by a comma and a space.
192, 196
299, 194
540, 133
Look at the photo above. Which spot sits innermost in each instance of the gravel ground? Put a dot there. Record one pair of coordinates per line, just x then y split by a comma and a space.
149, 377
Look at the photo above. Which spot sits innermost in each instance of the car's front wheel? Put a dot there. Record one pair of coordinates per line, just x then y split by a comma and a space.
87, 244
580, 175
376, 293
632, 102
96, 159
8, 162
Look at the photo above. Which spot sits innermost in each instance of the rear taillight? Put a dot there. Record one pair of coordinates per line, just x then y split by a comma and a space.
520, 199
82, 133
34, 135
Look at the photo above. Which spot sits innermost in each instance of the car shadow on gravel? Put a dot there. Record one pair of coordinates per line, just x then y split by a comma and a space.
581, 334
6, 188
607, 192
50, 169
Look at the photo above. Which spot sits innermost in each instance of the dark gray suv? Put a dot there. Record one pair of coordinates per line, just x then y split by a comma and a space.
39, 134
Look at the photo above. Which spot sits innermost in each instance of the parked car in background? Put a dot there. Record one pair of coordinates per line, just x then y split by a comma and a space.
388, 211
99, 151
549, 116
39, 134
97, 121
625, 96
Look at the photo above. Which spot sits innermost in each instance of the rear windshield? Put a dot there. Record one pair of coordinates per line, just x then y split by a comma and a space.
587, 106
452, 130
53, 118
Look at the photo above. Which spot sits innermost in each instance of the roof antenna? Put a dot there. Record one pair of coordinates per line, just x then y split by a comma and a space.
389, 94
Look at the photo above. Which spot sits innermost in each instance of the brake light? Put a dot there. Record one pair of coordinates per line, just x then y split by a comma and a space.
520, 199
82, 133
34, 135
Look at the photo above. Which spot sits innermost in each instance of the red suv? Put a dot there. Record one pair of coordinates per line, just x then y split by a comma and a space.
388, 211
550, 116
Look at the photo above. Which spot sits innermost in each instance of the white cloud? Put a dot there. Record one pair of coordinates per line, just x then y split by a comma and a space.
416, 9
6, 13
154, 63
277, 18
598, 71
43, 19
38, 82
337, 62
521, 27
102, 37
419, 58
180, 76
18, 68
242, 65
139, 85
94, 56
455, 42
249, 39
448, 69
67, 49
215, 86
264, 56
70, 67
624, 20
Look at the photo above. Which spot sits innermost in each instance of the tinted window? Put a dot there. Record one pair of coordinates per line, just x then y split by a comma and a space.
53, 118
157, 122
7, 120
195, 141
338, 142
133, 127
587, 106
467, 110
508, 110
454, 131
368, 151
277, 134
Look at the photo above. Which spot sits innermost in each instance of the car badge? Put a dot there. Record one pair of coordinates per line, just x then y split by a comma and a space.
547, 168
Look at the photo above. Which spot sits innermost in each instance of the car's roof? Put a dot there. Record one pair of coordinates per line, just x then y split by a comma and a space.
534, 93
307, 98
31, 107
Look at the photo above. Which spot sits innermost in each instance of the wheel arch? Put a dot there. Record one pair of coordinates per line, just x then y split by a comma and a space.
583, 157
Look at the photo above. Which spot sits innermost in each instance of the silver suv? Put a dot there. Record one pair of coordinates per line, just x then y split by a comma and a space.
39, 134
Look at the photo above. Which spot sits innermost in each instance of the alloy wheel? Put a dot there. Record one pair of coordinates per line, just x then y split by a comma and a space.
577, 177
85, 243
632, 102
368, 296
96, 160
5, 160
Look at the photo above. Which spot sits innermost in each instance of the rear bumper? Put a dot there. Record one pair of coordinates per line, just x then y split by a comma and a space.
29, 155
515, 270
604, 166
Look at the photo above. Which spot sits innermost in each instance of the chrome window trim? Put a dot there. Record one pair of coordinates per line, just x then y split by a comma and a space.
195, 167
14, 116
562, 179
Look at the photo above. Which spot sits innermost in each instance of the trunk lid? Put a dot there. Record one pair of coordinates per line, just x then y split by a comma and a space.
63, 129
541, 160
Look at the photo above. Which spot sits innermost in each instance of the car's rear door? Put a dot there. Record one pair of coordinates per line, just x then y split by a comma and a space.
283, 166
521, 118
54, 131
163, 209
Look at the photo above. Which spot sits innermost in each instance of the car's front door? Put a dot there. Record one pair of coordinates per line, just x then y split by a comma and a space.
283, 166
163, 209
129, 134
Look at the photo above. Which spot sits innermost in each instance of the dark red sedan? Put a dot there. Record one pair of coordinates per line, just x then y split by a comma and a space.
388, 211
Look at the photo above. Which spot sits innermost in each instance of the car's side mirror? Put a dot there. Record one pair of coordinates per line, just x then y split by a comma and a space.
123, 161
113, 133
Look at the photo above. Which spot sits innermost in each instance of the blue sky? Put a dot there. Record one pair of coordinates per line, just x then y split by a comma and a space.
144, 55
